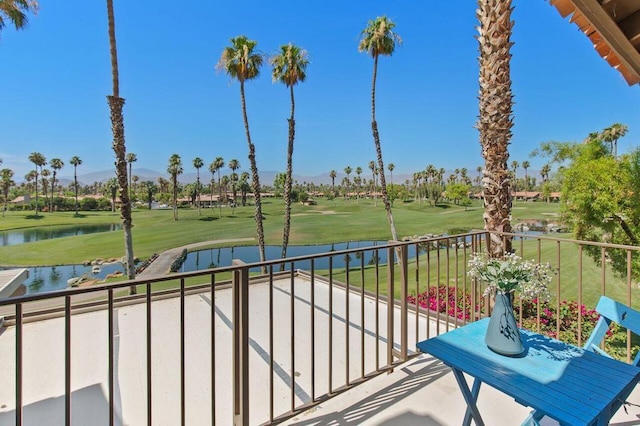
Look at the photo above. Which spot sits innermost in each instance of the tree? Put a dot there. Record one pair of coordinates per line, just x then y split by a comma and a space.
234, 165
131, 158
289, 68
198, 163
379, 39
174, 169
15, 12
525, 166
600, 203
214, 167
56, 165
244, 187
242, 62
116, 104
348, 171
6, 182
373, 168
75, 162
151, 189
38, 160
358, 181
612, 134
495, 118
112, 186
514, 167
333, 174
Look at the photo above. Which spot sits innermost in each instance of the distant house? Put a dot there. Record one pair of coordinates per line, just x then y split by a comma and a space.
526, 195
22, 200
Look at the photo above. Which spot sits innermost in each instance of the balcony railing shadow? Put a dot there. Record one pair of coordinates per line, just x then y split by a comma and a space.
231, 345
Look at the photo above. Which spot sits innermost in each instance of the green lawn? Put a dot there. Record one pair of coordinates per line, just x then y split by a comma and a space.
154, 231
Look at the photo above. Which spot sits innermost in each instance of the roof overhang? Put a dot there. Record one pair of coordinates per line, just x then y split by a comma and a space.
613, 26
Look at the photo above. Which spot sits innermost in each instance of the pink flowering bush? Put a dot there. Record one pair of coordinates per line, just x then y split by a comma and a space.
550, 316
457, 304
446, 300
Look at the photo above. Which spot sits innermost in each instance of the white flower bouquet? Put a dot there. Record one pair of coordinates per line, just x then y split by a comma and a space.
512, 273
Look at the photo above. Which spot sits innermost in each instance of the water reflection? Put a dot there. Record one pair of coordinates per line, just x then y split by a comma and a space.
24, 236
219, 257
51, 278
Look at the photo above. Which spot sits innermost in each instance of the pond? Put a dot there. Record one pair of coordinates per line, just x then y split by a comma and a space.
23, 236
50, 278
219, 257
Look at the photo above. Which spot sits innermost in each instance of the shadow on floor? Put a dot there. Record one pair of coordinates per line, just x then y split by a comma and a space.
89, 406
367, 408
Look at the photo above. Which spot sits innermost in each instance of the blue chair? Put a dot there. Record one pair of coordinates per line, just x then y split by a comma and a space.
610, 311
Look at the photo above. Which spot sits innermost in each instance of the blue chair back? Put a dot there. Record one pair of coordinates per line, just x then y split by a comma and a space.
612, 311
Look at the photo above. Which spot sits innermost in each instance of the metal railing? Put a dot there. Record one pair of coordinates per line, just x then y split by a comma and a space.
253, 348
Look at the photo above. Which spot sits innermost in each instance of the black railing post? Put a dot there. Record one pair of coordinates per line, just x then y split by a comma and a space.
240, 346
390, 303
404, 304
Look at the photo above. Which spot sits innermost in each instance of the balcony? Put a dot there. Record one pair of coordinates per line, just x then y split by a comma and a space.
295, 341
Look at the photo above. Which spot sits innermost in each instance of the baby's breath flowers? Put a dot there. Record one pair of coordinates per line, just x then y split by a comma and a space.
512, 273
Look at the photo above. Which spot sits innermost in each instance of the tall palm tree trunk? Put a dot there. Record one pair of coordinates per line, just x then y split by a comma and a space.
495, 118
376, 141
116, 103
36, 190
288, 177
75, 186
255, 180
219, 196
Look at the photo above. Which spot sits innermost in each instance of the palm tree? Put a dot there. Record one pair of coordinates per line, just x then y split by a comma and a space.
216, 165
116, 103
495, 117
151, 189
514, 167
15, 11
75, 162
38, 160
378, 39
359, 182
174, 169
44, 180
525, 166
234, 165
112, 186
6, 182
56, 165
373, 168
244, 186
198, 163
612, 134
544, 172
289, 68
241, 62
348, 171
131, 158
333, 174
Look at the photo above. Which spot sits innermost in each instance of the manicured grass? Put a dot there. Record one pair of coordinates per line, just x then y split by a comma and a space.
330, 221
154, 231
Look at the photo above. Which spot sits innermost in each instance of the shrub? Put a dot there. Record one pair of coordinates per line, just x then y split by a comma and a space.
457, 304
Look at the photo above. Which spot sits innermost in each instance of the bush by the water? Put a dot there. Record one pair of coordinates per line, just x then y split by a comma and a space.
177, 264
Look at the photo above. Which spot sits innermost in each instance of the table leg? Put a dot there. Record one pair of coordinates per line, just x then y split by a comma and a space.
470, 396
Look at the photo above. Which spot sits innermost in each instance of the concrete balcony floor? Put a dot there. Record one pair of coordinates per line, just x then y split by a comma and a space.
421, 391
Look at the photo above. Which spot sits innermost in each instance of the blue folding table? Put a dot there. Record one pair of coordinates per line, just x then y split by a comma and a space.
564, 382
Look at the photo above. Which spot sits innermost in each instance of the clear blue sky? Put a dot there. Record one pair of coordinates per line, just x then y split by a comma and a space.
56, 73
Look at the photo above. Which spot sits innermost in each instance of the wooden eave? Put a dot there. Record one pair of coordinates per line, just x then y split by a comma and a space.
613, 26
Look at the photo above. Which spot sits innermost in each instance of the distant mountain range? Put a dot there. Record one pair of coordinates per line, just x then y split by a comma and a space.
266, 177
